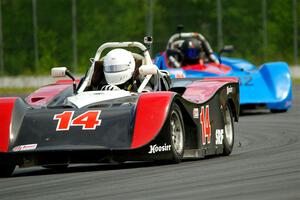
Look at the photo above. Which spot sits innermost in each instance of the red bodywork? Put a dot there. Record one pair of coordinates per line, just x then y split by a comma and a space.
6, 109
202, 90
45, 94
207, 67
152, 110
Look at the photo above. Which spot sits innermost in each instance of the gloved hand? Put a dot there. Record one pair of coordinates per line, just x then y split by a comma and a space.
110, 87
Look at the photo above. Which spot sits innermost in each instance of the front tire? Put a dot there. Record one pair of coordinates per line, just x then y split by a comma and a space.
228, 139
6, 170
175, 130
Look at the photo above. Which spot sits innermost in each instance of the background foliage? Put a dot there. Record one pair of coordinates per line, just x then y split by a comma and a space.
125, 20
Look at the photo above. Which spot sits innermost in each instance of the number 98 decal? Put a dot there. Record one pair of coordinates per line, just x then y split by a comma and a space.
88, 120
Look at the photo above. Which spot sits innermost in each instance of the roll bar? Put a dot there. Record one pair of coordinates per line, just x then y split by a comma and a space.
187, 35
183, 35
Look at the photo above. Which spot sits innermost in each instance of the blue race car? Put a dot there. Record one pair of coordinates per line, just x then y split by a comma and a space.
189, 55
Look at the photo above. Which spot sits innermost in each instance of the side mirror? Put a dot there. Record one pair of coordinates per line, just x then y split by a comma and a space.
58, 72
148, 69
226, 49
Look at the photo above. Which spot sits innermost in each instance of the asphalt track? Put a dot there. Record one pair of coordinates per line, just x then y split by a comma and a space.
265, 164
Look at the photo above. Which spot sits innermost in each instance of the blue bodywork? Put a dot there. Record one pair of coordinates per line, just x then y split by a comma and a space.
269, 85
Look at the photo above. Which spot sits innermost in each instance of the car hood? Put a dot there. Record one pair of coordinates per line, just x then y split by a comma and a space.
87, 98
39, 129
238, 64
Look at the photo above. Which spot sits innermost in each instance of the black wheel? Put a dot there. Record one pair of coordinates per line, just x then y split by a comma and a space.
56, 167
6, 170
228, 139
278, 111
175, 128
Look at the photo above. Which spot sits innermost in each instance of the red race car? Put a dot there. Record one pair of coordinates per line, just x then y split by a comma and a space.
124, 109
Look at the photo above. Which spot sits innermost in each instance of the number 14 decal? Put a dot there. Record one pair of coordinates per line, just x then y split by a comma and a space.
205, 125
88, 120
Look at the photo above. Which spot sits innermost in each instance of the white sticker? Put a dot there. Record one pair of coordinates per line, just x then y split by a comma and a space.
25, 147
229, 89
155, 148
219, 136
196, 113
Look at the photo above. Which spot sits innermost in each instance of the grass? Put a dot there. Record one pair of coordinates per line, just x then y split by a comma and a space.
25, 90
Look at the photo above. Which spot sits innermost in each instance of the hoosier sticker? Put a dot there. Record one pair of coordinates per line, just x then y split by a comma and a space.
155, 148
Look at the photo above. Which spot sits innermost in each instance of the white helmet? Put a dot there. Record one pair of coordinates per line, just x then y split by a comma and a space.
119, 66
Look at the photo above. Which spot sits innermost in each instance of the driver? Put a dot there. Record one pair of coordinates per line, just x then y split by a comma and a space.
194, 51
191, 49
119, 70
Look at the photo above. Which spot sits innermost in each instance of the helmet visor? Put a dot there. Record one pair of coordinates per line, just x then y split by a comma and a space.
115, 68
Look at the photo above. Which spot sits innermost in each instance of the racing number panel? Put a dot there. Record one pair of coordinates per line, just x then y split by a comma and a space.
208, 119
207, 130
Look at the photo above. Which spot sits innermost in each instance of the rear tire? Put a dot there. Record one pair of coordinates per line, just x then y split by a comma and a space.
6, 170
278, 111
228, 139
175, 129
